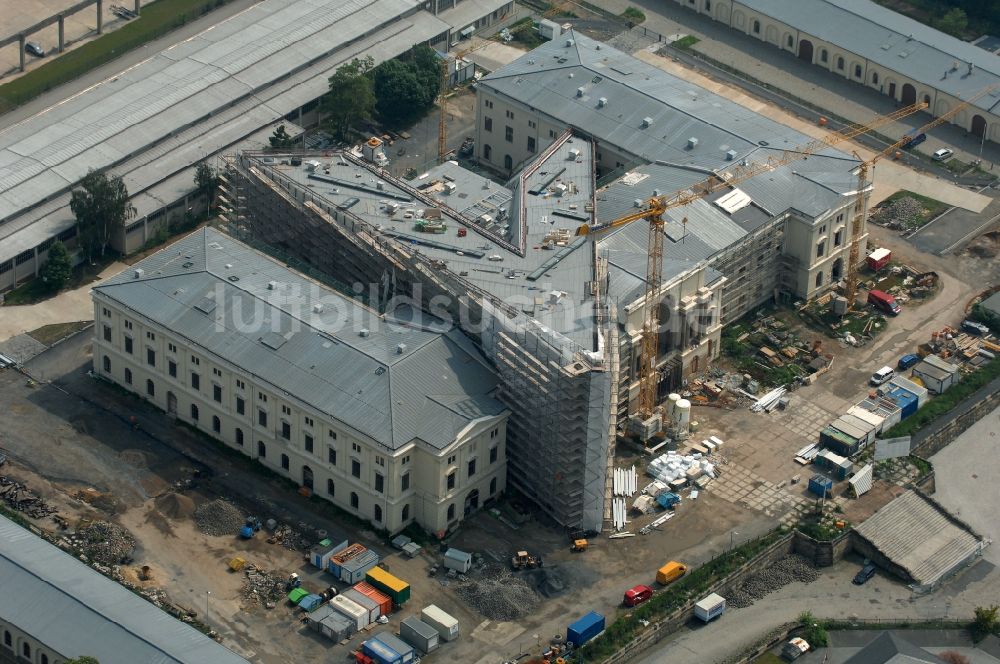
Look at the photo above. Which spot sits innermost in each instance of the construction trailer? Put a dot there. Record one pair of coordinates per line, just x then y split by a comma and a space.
936, 374
419, 634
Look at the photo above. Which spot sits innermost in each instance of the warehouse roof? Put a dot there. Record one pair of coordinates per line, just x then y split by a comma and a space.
76, 611
394, 379
890, 648
893, 41
917, 534
630, 104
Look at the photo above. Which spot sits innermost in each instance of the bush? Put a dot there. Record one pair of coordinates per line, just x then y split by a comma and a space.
987, 621
633, 16
58, 268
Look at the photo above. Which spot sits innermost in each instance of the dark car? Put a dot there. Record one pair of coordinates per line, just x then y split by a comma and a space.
867, 572
908, 361
34, 48
973, 327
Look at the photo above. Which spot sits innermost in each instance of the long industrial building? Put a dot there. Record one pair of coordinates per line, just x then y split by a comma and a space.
875, 47
227, 86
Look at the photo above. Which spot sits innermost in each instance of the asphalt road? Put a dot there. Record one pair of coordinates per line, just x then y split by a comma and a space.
956, 227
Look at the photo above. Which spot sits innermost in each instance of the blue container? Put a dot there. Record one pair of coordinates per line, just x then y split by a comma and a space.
667, 499
907, 401
311, 602
585, 628
246, 532
386, 648
821, 485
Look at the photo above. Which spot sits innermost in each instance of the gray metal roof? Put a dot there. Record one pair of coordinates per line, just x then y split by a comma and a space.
151, 142
76, 611
891, 648
916, 534
393, 380
992, 304
567, 77
894, 41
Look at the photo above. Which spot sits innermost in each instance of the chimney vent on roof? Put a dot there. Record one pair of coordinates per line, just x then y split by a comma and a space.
656, 193
637, 202
317, 308
272, 285
647, 122
138, 273
730, 155
580, 91
569, 42
692, 143
364, 332
401, 348
602, 102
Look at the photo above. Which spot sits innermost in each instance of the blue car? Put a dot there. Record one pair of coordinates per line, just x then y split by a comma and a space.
908, 361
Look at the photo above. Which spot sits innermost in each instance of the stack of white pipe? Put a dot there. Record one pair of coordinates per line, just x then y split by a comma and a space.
618, 513
625, 482
768, 399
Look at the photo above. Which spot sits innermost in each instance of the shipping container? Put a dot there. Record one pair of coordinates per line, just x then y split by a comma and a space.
821, 485
365, 602
342, 556
882, 409
670, 572
585, 629
879, 258
384, 602
295, 595
936, 374
838, 441
317, 616
320, 555
911, 387
709, 608
446, 626
358, 615
397, 589
310, 602
906, 401
419, 634
337, 627
386, 648
836, 465
354, 570
460, 561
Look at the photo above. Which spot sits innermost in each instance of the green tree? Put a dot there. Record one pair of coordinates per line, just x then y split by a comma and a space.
206, 180
101, 206
57, 269
399, 93
281, 139
351, 99
987, 620
82, 660
954, 22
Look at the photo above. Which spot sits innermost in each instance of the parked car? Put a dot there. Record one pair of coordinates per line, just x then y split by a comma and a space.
913, 141
907, 361
34, 48
944, 154
974, 327
637, 595
883, 302
882, 375
862, 577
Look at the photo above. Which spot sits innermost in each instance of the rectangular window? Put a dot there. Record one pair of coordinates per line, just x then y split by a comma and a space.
820, 248
286, 410
333, 434
172, 368
404, 483
531, 123
495, 451
857, 71
838, 237
150, 336
451, 480
472, 468
284, 461
172, 348
128, 345
308, 443
217, 393
451, 459
240, 384
331, 456
195, 381
552, 133
508, 134
241, 405
531, 144
107, 333
379, 483
128, 376
106, 312
309, 421
355, 468
286, 430
380, 460
128, 325
195, 361
488, 124
355, 447
262, 418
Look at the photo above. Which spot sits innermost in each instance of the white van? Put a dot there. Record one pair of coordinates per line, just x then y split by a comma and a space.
882, 375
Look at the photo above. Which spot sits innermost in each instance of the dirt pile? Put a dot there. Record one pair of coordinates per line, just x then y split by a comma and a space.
218, 518
105, 543
175, 505
498, 594
784, 571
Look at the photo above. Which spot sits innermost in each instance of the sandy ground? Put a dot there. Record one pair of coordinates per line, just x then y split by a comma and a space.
889, 178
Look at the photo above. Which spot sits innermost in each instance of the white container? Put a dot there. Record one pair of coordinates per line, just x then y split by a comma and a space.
354, 612
365, 602
711, 607
672, 400
683, 415
446, 626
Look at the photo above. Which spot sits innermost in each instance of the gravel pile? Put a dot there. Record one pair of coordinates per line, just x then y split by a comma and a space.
175, 505
498, 594
901, 213
218, 518
773, 577
105, 543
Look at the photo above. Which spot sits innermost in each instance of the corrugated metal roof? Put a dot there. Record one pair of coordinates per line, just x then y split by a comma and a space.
862, 480
397, 383
893, 41
915, 533
74, 610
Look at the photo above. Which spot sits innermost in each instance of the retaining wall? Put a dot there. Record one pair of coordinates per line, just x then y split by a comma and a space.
938, 434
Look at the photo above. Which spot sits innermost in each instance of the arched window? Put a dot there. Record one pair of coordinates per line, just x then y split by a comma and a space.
194, 412
378, 513
45, 659
261, 449
329, 487
756, 27
239, 436
508, 162
107, 364
493, 486
840, 63
927, 100
824, 56
354, 500
150, 389
7, 640
128, 376
284, 461
790, 41
451, 511
406, 513
216, 424
874, 78
26, 650
487, 152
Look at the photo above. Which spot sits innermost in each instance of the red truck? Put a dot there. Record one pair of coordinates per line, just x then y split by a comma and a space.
883, 302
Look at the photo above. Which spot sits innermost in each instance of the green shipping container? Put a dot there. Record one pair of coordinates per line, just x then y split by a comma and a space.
397, 589
296, 594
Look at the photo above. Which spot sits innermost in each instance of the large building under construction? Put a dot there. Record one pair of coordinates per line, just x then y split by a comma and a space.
559, 313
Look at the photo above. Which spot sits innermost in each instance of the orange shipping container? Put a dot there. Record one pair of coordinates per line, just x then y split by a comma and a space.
347, 554
384, 601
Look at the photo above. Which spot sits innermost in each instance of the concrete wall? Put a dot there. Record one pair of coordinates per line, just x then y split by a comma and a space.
937, 435
13, 642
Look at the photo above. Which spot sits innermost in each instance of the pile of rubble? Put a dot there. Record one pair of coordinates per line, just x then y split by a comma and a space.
773, 577
18, 497
104, 543
900, 214
289, 538
261, 588
218, 517
498, 594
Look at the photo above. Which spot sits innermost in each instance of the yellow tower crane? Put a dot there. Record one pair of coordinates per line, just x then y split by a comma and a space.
866, 170
657, 206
